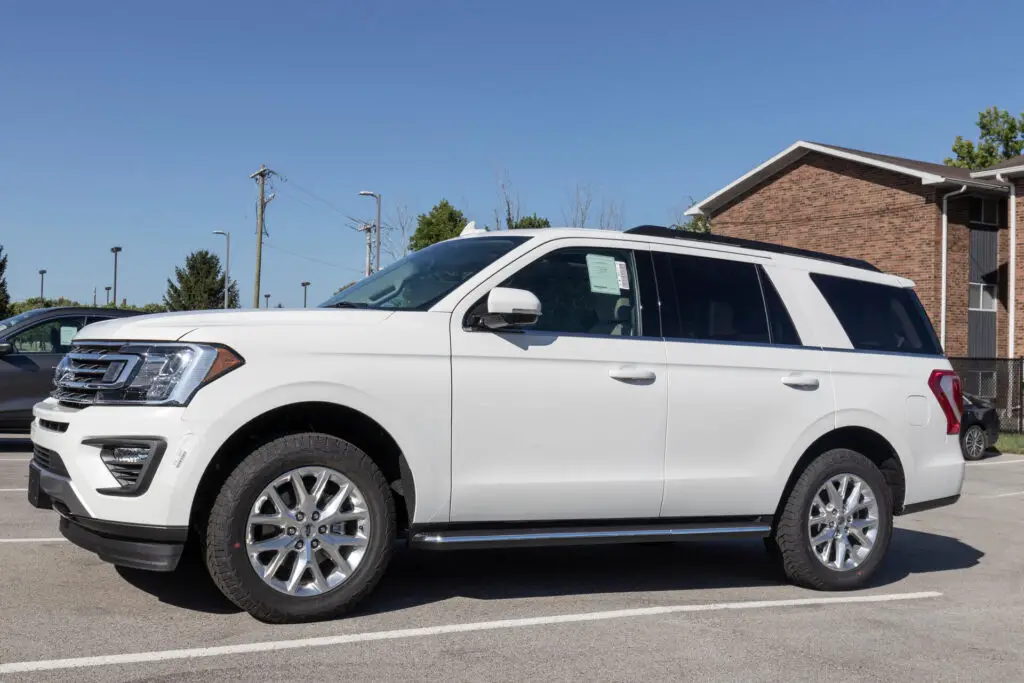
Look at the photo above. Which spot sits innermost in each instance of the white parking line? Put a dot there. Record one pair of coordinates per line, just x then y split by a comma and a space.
1016, 460
50, 539
276, 645
1005, 495
11, 490
15, 459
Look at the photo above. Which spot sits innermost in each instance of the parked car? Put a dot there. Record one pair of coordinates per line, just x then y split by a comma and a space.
543, 387
979, 429
31, 345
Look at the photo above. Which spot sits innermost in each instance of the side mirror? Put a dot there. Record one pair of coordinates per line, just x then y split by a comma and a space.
6, 348
510, 308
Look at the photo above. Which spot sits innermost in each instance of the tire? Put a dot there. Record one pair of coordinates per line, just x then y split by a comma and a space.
800, 562
972, 442
226, 549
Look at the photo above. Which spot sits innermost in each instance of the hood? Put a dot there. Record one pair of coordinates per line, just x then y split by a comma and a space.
174, 326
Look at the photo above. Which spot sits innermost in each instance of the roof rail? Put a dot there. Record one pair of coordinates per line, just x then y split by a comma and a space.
671, 233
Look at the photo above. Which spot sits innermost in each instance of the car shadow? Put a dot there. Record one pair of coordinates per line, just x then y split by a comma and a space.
18, 444
417, 578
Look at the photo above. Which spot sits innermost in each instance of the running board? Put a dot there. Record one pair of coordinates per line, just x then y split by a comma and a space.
444, 537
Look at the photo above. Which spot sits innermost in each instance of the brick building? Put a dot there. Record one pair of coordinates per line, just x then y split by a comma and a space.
951, 231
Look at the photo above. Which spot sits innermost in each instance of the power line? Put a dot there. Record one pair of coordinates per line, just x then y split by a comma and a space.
312, 194
310, 258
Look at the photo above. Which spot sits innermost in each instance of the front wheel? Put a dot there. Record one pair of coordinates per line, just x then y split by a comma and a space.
836, 525
302, 529
972, 443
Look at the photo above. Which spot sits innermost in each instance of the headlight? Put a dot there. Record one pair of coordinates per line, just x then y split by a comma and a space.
140, 374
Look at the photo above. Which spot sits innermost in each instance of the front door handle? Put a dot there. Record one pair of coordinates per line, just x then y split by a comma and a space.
631, 373
801, 382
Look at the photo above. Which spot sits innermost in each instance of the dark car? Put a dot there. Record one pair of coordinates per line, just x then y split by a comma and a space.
31, 346
979, 428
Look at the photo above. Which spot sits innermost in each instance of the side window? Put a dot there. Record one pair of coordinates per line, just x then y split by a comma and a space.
780, 326
879, 317
52, 336
584, 290
716, 299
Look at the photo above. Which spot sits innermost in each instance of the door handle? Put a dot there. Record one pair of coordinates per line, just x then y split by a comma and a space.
801, 382
632, 374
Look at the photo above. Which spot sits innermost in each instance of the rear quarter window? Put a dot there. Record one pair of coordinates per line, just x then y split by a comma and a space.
879, 317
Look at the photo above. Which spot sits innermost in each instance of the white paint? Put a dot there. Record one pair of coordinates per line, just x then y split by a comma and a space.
11, 490
1014, 460
1006, 495
51, 539
997, 173
327, 641
945, 258
15, 459
1013, 263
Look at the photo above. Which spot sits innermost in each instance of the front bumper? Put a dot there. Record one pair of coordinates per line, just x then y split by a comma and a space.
152, 548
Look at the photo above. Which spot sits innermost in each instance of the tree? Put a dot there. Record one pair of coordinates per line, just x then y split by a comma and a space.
698, 223
1000, 137
200, 285
5, 297
578, 210
443, 222
531, 222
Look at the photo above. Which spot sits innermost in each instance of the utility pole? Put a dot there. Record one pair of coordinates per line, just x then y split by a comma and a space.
260, 177
227, 266
368, 229
94, 297
305, 290
267, 297
115, 251
42, 277
108, 293
375, 195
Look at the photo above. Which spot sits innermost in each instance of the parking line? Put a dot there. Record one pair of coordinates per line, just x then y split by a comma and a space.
12, 490
1005, 495
49, 539
277, 645
15, 459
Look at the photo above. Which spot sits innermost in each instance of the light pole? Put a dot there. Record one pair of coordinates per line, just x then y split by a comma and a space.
115, 251
376, 257
305, 290
267, 297
227, 264
108, 293
42, 278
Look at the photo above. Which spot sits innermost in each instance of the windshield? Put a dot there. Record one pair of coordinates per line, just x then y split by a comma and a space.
20, 318
424, 277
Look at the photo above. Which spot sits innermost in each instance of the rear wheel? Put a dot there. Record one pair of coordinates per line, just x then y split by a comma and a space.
302, 529
972, 443
836, 525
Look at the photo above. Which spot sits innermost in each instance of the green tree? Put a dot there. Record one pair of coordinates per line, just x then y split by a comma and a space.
443, 222
694, 224
1000, 137
531, 222
18, 307
200, 285
5, 297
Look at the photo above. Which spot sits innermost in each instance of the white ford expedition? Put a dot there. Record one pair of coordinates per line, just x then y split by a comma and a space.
548, 387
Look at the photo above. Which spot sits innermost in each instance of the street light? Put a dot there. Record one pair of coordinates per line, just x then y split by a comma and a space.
108, 293
227, 265
42, 277
115, 251
267, 297
367, 193
305, 290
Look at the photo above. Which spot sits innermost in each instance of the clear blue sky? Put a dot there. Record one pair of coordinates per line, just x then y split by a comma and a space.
137, 124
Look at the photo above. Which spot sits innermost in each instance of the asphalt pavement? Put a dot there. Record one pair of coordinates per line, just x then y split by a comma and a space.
948, 605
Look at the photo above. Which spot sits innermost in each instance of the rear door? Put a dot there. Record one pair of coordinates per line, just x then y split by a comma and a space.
746, 395
26, 374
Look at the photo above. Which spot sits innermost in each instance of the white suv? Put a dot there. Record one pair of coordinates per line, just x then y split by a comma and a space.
505, 389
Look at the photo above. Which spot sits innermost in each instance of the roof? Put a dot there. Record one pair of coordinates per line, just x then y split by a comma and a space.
1009, 167
929, 173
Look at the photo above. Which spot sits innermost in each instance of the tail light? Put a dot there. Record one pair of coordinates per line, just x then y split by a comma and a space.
946, 386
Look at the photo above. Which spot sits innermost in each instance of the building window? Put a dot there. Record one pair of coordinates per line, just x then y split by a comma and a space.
984, 211
982, 297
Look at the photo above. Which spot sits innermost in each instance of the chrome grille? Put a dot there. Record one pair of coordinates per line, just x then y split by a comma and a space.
90, 368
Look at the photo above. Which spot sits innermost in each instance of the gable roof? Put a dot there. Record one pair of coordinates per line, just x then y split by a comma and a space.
929, 173
1009, 167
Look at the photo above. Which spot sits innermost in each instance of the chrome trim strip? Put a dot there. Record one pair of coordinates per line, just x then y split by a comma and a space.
439, 538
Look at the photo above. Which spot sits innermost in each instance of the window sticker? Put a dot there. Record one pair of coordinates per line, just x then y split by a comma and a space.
67, 334
623, 272
604, 278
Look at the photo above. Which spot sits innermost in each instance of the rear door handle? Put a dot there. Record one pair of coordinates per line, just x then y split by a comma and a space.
801, 382
632, 373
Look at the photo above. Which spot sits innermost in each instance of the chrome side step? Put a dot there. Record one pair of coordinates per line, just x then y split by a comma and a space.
442, 537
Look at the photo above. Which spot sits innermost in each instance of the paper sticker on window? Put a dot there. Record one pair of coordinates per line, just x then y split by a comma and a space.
623, 272
67, 334
604, 278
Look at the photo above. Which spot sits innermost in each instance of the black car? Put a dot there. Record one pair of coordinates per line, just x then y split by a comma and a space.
979, 428
31, 346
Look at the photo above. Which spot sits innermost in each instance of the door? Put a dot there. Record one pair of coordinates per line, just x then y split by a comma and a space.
745, 397
26, 374
565, 420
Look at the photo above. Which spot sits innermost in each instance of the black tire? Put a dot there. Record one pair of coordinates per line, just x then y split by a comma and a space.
979, 432
792, 535
225, 552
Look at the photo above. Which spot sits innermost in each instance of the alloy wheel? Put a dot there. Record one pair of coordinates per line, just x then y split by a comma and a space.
843, 522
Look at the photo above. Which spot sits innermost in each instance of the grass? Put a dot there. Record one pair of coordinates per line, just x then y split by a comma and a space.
1010, 443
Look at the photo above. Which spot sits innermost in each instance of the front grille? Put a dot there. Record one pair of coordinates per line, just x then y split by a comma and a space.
53, 426
49, 461
91, 368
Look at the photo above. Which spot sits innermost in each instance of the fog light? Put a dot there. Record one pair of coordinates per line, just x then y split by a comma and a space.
131, 463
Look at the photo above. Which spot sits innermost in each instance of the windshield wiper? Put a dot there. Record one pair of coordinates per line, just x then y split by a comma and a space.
349, 304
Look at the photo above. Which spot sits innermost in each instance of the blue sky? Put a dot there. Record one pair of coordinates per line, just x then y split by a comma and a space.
138, 124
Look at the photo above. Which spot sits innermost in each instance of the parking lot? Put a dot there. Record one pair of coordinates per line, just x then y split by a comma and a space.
947, 605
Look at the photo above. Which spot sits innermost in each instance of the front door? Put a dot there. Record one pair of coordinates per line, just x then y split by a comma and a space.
566, 420
26, 374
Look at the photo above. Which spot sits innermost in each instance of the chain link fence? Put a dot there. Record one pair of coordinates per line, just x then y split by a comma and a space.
998, 380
